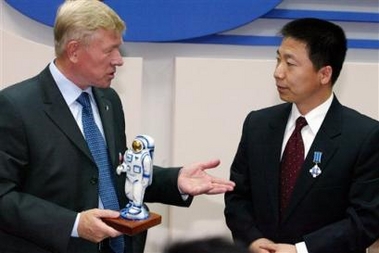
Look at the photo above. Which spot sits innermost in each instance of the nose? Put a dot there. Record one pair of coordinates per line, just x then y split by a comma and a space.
278, 72
117, 59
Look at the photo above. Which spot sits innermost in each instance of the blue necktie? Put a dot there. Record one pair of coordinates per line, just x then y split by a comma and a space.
97, 146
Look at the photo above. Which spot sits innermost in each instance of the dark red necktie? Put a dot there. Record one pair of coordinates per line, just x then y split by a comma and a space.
292, 160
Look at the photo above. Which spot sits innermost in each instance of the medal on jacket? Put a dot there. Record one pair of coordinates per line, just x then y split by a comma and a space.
316, 171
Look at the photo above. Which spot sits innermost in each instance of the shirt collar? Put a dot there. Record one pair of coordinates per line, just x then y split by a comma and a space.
315, 117
69, 90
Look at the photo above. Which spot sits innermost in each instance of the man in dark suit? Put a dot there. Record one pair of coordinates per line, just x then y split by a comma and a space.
333, 205
49, 178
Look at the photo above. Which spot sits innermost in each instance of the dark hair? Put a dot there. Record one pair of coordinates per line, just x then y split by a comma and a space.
325, 41
205, 245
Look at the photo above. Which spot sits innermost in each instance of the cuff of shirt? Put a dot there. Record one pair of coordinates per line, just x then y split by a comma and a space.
74, 232
184, 195
301, 247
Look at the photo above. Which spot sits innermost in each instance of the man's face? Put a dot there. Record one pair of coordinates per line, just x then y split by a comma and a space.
97, 61
296, 78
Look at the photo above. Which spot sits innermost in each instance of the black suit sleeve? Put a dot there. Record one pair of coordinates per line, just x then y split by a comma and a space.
164, 188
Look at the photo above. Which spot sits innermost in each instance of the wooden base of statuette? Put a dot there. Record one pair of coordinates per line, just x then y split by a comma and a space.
133, 227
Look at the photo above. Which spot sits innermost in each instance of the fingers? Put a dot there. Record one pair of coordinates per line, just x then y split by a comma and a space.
193, 180
210, 164
106, 213
108, 230
279, 248
257, 246
219, 188
218, 182
269, 247
92, 228
223, 182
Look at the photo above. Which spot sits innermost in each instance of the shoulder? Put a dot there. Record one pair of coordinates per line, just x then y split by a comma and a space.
358, 123
27, 87
352, 114
21, 88
349, 118
352, 124
269, 115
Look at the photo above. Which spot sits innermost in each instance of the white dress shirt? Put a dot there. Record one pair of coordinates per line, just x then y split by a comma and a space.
70, 93
308, 133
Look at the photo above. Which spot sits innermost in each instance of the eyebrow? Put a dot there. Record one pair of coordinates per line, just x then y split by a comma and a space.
286, 55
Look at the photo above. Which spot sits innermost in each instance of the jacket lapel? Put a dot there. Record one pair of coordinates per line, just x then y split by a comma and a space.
323, 142
106, 115
272, 168
57, 110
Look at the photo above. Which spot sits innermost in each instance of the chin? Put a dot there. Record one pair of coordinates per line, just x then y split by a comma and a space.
105, 85
285, 98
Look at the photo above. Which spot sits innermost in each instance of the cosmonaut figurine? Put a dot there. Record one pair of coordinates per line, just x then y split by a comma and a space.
138, 166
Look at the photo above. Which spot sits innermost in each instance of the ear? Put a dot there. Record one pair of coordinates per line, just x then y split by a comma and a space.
325, 74
72, 48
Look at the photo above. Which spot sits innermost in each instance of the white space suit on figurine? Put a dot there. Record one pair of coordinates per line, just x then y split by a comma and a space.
138, 166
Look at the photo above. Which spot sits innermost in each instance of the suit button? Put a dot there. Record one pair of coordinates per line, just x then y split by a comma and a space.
94, 180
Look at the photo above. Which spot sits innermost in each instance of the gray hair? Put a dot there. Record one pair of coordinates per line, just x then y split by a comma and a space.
79, 19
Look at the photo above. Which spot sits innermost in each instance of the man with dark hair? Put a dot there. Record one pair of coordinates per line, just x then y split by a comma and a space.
61, 133
306, 171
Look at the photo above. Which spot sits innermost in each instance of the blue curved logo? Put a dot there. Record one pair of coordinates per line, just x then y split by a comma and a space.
165, 20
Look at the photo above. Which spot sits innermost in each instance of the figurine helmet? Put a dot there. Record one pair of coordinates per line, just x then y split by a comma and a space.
142, 142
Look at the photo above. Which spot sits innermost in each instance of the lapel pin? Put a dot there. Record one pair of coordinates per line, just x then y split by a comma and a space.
316, 171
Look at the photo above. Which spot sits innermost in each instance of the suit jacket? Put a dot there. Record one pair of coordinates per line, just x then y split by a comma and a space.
47, 173
338, 211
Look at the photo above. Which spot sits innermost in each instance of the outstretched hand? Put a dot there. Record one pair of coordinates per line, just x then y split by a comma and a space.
193, 180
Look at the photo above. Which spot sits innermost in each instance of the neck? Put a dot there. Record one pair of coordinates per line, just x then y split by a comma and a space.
309, 105
69, 71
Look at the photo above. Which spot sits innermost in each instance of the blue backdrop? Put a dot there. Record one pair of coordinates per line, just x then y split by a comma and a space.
199, 21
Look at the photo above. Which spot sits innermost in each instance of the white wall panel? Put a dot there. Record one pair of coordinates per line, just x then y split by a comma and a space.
358, 87
21, 58
212, 98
